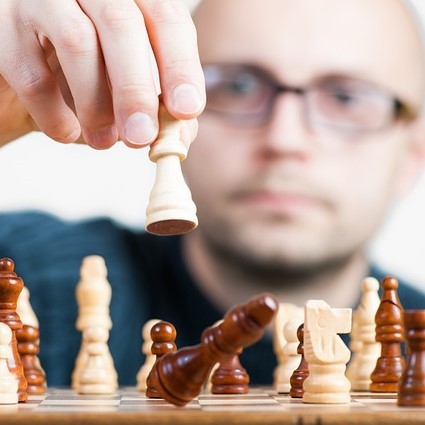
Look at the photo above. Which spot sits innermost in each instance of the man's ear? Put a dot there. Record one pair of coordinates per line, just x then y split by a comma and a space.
414, 165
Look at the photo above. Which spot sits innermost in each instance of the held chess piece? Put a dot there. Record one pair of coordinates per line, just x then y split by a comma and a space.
411, 389
96, 376
326, 353
10, 288
28, 339
163, 335
93, 293
288, 357
171, 210
364, 360
230, 378
180, 375
149, 357
8, 383
301, 373
389, 332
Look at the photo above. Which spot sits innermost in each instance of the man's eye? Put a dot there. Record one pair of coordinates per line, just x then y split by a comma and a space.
245, 84
344, 98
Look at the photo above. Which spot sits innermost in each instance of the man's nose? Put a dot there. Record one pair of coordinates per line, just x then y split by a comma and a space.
287, 131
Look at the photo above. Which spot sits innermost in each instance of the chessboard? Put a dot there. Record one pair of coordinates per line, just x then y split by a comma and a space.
259, 406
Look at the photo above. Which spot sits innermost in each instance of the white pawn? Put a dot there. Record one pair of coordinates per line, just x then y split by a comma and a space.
96, 376
93, 294
365, 359
8, 383
24, 309
355, 348
171, 209
149, 357
286, 347
326, 353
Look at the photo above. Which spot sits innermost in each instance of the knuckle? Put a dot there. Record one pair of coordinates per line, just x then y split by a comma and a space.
138, 94
78, 38
33, 84
169, 11
118, 15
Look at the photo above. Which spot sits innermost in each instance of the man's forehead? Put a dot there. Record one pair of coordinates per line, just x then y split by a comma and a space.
378, 40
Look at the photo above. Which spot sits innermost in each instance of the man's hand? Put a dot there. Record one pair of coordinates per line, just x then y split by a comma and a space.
84, 70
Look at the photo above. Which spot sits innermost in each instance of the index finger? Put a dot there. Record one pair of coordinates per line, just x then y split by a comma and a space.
173, 38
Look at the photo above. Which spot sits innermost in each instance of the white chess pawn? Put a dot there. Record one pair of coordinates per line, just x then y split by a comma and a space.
96, 376
24, 309
93, 293
8, 383
290, 358
171, 209
326, 353
365, 359
149, 357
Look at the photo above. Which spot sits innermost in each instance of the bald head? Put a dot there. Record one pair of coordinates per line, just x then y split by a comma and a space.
299, 40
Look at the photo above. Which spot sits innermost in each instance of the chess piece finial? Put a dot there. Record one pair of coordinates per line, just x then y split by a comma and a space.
411, 389
301, 373
326, 353
10, 287
389, 332
163, 334
180, 375
8, 383
171, 210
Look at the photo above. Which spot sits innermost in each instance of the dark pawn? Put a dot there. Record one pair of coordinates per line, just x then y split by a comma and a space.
411, 390
163, 335
180, 376
10, 288
301, 372
230, 378
389, 332
28, 349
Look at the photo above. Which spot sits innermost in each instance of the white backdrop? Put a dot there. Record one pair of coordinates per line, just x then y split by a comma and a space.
75, 182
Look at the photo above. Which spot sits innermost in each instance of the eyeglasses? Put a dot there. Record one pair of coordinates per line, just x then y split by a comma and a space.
245, 95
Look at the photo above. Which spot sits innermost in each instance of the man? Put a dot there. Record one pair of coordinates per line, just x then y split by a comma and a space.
312, 128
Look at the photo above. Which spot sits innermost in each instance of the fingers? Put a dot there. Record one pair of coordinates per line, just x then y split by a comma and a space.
26, 71
173, 38
74, 38
105, 68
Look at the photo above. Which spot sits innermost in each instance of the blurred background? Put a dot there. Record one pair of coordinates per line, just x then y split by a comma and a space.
76, 182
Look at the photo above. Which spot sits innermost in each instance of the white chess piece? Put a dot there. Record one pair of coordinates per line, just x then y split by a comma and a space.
93, 293
285, 344
171, 209
8, 382
149, 357
24, 309
365, 359
326, 353
96, 376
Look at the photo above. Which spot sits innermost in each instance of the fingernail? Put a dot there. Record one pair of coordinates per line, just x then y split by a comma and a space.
104, 137
187, 99
140, 129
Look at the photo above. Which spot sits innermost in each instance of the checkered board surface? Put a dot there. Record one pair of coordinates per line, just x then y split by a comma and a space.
129, 399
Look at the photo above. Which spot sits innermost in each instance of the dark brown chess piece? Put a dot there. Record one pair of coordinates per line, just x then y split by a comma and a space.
301, 372
163, 335
230, 378
28, 349
389, 332
411, 391
179, 376
10, 288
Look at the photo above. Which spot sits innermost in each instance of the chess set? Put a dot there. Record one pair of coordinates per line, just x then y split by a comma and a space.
260, 405
206, 383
